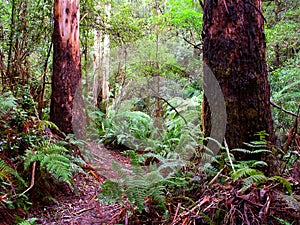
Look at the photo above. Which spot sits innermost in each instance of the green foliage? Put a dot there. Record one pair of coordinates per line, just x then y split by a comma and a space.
283, 59
43, 124
54, 158
128, 128
138, 186
285, 90
282, 221
7, 173
7, 102
284, 182
30, 221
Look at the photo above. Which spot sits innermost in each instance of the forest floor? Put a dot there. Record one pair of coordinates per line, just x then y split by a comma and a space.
80, 206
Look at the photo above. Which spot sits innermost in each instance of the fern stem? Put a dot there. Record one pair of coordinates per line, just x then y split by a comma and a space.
215, 177
228, 153
32, 178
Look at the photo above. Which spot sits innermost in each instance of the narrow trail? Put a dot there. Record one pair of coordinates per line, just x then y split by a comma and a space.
101, 159
81, 207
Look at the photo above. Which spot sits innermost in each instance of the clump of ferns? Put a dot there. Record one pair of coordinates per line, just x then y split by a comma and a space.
223, 167
54, 159
9, 176
143, 188
251, 171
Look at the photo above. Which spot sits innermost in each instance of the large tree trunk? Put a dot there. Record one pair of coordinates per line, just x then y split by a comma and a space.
66, 63
234, 50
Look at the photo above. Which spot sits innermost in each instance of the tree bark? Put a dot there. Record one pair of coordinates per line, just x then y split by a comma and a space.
102, 66
66, 64
234, 50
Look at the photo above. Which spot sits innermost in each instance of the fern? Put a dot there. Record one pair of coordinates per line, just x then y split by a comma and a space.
139, 185
58, 165
29, 221
245, 172
250, 176
284, 182
6, 102
54, 158
7, 172
43, 124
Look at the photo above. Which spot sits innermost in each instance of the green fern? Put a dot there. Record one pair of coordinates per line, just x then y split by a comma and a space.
284, 182
7, 173
256, 175
54, 158
30, 221
7, 101
249, 176
139, 185
43, 124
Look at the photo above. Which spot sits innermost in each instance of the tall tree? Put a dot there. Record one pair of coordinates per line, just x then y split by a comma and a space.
234, 50
102, 64
66, 63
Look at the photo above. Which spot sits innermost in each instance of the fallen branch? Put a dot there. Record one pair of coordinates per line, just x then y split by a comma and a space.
216, 177
83, 210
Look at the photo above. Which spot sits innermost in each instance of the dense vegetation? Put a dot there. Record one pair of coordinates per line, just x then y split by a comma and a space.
152, 115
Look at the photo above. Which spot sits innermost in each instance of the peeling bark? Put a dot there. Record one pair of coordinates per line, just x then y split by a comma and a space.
234, 49
66, 63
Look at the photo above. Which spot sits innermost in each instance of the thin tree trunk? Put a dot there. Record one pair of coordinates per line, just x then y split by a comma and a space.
9, 58
106, 65
97, 66
234, 50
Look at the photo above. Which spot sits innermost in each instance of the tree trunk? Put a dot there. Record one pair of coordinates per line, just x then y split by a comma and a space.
102, 66
66, 63
234, 50
106, 64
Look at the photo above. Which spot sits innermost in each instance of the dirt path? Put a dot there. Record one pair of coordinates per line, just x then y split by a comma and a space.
82, 207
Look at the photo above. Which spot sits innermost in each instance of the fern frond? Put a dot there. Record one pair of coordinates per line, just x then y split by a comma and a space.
7, 172
249, 181
53, 158
111, 192
29, 221
246, 151
58, 165
259, 164
244, 172
284, 182
7, 101
43, 124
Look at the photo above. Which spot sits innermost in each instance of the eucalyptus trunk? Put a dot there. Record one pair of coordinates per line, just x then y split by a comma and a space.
234, 48
66, 64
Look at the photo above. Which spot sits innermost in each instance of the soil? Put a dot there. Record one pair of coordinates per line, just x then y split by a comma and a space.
80, 205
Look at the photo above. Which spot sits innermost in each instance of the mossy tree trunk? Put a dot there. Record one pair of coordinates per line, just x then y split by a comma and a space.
234, 49
66, 63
